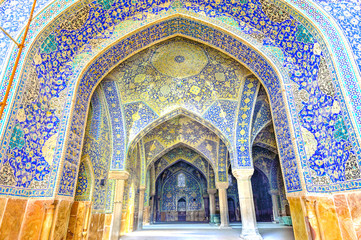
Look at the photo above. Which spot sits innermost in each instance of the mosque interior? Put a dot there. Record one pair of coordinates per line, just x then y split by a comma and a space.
123, 114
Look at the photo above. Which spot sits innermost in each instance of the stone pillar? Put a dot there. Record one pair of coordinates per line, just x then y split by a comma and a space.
120, 178
223, 203
274, 195
212, 204
248, 215
141, 207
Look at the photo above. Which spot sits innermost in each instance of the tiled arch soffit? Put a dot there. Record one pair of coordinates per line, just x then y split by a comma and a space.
292, 184
165, 151
181, 160
173, 114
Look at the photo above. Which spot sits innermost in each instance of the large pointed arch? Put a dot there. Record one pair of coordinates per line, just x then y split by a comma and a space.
176, 113
294, 185
167, 150
248, 55
262, 68
181, 160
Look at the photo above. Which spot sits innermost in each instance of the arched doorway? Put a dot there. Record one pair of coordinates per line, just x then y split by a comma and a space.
182, 210
153, 142
231, 210
179, 190
262, 197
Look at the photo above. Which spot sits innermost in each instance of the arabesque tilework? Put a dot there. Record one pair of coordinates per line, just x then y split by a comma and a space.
83, 187
97, 148
181, 130
117, 121
12, 18
179, 73
347, 14
261, 117
244, 119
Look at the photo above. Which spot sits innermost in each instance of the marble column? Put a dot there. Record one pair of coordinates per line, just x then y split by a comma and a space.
141, 207
223, 203
120, 178
212, 204
248, 215
274, 195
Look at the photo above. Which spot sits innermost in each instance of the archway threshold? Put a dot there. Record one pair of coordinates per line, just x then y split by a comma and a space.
180, 225
201, 231
198, 225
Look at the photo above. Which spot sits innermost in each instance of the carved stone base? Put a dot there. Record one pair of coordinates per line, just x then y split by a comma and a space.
225, 227
251, 235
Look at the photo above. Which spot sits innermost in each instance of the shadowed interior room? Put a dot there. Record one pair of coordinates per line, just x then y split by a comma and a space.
180, 119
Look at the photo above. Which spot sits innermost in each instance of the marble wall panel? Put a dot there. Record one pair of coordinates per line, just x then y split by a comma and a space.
100, 226
107, 226
327, 219
146, 218
311, 218
131, 221
123, 224
33, 219
3, 202
71, 234
354, 203
96, 226
344, 217
77, 219
12, 218
61, 219
298, 218
83, 216
94, 222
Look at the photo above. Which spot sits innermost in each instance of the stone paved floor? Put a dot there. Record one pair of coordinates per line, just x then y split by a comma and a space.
200, 231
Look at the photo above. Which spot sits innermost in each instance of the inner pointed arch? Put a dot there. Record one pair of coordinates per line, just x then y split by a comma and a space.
177, 145
177, 161
179, 112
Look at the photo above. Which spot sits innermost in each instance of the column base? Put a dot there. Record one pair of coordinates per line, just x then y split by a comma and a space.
215, 219
251, 235
140, 227
225, 227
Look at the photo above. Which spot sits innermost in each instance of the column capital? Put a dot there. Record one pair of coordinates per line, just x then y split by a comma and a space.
211, 191
243, 173
222, 185
119, 175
